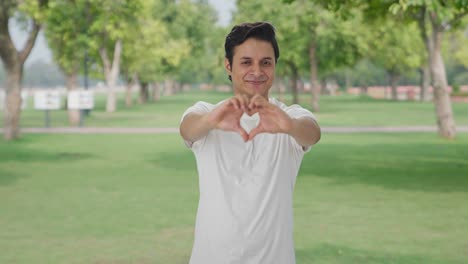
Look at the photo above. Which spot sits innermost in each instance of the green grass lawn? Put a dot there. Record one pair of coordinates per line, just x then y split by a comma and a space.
359, 198
344, 110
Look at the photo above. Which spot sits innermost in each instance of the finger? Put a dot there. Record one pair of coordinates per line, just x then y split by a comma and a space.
252, 101
257, 102
255, 131
243, 101
235, 102
243, 134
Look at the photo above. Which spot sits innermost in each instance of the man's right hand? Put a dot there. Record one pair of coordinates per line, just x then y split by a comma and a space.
227, 116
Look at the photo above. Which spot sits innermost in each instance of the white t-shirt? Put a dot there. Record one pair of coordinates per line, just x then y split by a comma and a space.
245, 211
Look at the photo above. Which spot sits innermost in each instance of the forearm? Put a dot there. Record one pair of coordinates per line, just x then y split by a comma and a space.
305, 131
195, 126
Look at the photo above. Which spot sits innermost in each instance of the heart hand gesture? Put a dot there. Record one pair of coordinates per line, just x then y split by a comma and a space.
272, 118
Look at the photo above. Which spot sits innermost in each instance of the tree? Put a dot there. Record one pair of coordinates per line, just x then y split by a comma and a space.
196, 21
395, 46
66, 32
442, 16
192, 22
33, 11
111, 21
435, 17
151, 48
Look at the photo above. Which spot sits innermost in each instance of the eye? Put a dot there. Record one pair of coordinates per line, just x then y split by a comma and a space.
267, 62
246, 62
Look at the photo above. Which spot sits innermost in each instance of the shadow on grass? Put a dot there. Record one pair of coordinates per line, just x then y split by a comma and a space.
8, 177
427, 167
327, 253
14, 154
27, 155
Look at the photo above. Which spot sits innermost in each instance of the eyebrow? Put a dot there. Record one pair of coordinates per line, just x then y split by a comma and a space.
249, 58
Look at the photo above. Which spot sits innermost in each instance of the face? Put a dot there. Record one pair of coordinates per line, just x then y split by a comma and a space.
253, 68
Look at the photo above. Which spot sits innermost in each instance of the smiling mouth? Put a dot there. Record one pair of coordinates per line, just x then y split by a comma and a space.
256, 83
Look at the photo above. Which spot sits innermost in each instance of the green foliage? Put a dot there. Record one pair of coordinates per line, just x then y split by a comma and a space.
457, 45
194, 22
446, 13
149, 47
34, 9
339, 43
67, 33
396, 46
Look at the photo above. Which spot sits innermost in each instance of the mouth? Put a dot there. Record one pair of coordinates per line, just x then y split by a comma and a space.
256, 84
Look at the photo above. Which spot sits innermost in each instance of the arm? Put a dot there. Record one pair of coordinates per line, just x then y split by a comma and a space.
195, 126
225, 117
305, 131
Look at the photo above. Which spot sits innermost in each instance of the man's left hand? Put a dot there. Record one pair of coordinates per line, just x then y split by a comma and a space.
272, 118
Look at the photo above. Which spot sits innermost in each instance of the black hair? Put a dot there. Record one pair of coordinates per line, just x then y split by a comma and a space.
240, 33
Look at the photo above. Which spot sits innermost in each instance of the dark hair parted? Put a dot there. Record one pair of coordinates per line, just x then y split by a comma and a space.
240, 33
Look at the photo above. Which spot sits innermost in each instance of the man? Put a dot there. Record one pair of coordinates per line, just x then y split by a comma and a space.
248, 150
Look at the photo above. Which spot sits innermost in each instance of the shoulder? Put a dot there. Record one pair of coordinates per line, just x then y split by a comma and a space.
200, 107
294, 111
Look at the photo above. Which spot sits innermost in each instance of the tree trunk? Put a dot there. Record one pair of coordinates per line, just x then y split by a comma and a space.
112, 73
293, 82
425, 71
315, 86
129, 95
168, 87
156, 92
132, 82
323, 86
348, 81
425, 82
364, 90
144, 93
72, 84
13, 61
177, 87
394, 78
443, 105
281, 90
12, 110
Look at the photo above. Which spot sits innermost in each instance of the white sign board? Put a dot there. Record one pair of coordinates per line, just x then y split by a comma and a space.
2, 99
47, 100
24, 99
80, 99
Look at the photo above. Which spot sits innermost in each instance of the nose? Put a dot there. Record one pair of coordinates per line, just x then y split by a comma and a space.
256, 70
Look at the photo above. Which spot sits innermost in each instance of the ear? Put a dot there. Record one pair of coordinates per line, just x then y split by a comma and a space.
227, 66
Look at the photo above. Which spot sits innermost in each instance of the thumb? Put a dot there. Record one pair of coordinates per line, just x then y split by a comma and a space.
255, 131
243, 134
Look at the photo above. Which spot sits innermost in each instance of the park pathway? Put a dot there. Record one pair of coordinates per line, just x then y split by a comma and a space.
163, 130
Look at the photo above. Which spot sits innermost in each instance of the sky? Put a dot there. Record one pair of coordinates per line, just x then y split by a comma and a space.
41, 50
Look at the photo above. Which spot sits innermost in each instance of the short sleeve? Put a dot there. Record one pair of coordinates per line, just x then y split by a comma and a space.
296, 111
199, 108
